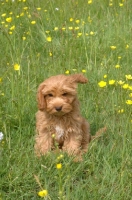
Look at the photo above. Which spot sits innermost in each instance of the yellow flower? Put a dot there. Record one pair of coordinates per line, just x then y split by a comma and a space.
83, 70
121, 111
113, 47
49, 39
0, 80
125, 86
110, 4
77, 21
43, 193
21, 14
127, 46
56, 29
77, 28
129, 102
90, 1
102, 84
38, 9
17, 67
59, 166
60, 157
91, 33
12, 28
130, 87
71, 19
67, 72
111, 82
119, 57
47, 32
128, 77
120, 4
9, 19
33, 22
70, 28
63, 28
25, 8
89, 19
117, 66
24, 38
50, 54
3, 15
105, 76
10, 32
120, 82
79, 34
130, 95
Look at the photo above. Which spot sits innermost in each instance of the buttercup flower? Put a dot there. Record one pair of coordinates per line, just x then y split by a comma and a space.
129, 102
105, 76
102, 84
56, 28
3, 15
117, 66
59, 166
128, 77
33, 22
17, 67
71, 19
12, 28
43, 193
83, 70
111, 82
120, 4
67, 72
24, 38
130, 95
127, 46
49, 39
90, 1
38, 9
9, 19
130, 87
121, 111
91, 33
125, 86
120, 82
77, 21
113, 47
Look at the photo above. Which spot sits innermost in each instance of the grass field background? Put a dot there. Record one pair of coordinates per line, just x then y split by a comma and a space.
43, 38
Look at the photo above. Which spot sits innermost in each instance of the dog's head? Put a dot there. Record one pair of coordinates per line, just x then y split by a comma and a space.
57, 94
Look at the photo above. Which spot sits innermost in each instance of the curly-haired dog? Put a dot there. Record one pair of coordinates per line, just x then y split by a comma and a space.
58, 120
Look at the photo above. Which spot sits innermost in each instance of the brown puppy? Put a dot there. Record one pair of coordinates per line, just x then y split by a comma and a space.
58, 120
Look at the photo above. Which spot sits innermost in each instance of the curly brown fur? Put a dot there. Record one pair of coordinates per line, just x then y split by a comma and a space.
58, 119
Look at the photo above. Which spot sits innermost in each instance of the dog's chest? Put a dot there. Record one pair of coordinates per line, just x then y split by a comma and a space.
59, 132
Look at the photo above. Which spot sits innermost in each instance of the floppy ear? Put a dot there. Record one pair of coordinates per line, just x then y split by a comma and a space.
40, 97
78, 78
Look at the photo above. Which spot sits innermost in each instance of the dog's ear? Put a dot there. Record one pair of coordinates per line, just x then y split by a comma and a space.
78, 78
40, 97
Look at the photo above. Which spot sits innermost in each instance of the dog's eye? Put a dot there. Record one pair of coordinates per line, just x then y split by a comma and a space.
65, 94
50, 95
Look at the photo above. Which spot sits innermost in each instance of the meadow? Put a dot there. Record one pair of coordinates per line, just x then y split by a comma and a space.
43, 38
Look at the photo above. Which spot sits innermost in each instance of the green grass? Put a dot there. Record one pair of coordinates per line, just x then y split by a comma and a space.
105, 172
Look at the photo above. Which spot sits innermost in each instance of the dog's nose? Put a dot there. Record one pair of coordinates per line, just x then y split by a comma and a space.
58, 108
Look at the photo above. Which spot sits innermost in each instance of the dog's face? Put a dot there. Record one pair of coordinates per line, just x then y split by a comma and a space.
57, 94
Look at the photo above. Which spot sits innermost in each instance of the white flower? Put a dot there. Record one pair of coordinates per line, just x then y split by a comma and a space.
1, 136
57, 9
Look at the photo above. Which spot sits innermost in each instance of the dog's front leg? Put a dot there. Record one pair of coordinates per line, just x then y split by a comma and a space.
72, 144
43, 143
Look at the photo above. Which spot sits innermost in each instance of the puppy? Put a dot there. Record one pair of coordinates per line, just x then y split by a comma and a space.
58, 121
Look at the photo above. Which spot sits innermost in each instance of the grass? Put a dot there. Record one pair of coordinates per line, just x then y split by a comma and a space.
82, 35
